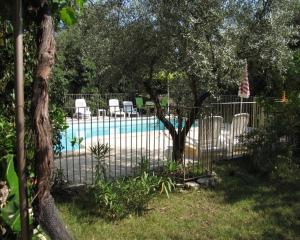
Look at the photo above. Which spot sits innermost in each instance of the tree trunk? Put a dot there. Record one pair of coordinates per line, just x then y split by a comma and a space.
178, 136
44, 207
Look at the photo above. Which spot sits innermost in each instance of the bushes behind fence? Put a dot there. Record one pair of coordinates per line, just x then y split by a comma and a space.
274, 147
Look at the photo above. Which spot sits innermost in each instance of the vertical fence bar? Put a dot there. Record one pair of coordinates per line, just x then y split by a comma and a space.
67, 170
92, 132
85, 156
131, 165
72, 151
104, 141
141, 152
79, 139
136, 140
115, 144
120, 147
109, 143
20, 119
126, 141
66, 148
158, 141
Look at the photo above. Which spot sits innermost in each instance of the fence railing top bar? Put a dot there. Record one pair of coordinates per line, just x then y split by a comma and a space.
231, 103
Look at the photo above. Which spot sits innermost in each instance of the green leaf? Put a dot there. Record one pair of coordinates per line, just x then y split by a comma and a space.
16, 222
80, 3
68, 15
10, 214
59, 1
11, 176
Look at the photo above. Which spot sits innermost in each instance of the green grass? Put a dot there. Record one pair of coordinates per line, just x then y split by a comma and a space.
241, 207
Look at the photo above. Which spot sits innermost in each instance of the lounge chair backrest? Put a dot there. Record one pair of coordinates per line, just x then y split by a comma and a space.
81, 110
210, 130
139, 102
128, 106
114, 105
80, 103
239, 124
81, 107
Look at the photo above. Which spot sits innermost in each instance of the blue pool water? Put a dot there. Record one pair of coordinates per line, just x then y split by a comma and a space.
87, 130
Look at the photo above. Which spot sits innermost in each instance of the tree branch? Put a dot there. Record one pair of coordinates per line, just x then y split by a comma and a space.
154, 97
193, 114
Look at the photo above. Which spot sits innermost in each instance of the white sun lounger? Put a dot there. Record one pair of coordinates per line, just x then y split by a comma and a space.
114, 108
129, 109
231, 137
205, 138
81, 110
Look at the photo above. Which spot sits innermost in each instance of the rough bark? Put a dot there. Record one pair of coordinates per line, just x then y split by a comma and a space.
45, 211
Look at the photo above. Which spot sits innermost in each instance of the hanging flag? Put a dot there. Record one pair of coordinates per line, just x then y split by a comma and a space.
244, 90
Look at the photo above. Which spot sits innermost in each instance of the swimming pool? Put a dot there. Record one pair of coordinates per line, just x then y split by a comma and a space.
87, 130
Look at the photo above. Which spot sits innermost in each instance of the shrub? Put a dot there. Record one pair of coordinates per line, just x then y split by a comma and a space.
273, 147
99, 151
59, 125
117, 199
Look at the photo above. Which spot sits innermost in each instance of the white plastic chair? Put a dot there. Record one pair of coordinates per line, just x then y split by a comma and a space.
238, 127
81, 110
129, 109
210, 130
207, 137
114, 108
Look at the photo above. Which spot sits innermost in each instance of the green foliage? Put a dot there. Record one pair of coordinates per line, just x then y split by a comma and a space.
119, 198
76, 140
143, 166
100, 151
196, 47
59, 178
67, 15
274, 147
7, 69
7, 137
10, 214
59, 125
69, 10
271, 24
264, 209
191, 48
95, 100
292, 82
172, 166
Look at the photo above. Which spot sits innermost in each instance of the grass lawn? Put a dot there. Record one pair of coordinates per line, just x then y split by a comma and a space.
241, 207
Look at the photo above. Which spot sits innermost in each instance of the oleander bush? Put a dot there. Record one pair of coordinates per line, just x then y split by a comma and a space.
119, 198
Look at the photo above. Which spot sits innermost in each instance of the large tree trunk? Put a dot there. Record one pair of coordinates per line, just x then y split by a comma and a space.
45, 211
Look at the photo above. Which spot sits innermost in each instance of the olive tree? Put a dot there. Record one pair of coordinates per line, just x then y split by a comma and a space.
185, 39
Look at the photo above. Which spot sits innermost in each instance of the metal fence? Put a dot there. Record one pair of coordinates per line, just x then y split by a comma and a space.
138, 139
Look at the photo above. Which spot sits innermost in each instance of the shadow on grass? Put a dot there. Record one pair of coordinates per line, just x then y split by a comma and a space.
79, 205
278, 200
